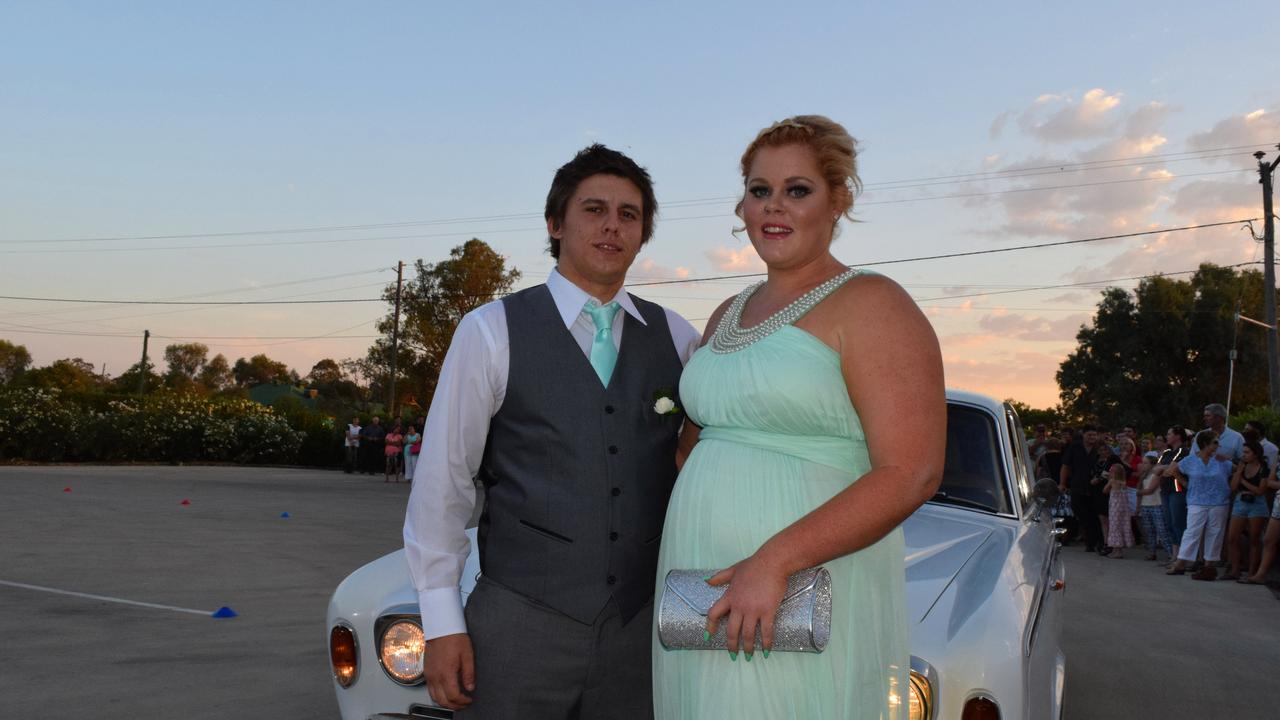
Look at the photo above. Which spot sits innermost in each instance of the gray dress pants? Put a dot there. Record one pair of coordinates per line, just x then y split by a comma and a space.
533, 662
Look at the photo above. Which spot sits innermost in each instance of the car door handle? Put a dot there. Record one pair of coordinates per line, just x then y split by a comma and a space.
1058, 532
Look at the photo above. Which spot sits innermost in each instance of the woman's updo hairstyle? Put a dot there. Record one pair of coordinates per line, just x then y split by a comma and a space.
833, 147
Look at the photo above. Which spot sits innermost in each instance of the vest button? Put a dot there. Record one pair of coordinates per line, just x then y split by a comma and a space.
613, 449
608, 409
613, 536
611, 580
616, 492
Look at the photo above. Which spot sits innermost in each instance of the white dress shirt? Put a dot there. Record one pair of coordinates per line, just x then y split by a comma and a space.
471, 388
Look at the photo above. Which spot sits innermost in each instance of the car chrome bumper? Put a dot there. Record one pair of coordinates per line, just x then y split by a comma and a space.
417, 712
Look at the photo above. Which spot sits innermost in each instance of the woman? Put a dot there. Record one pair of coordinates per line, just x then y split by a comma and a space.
412, 446
1249, 508
394, 444
1207, 480
1271, 542
1130, 458
808, 445
1173, 495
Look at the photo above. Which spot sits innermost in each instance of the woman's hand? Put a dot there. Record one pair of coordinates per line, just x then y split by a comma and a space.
756, 589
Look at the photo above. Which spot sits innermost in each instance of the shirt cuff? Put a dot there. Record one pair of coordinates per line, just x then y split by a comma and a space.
441, 612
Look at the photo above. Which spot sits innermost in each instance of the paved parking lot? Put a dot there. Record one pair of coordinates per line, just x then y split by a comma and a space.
1139, 644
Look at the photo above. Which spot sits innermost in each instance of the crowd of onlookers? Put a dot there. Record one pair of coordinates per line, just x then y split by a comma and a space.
392, 451
1191, 496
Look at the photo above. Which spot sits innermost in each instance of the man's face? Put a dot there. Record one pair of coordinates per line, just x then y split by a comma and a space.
601, 232
1091, 437
355, 421
1041, 432
1211, 420
375, 420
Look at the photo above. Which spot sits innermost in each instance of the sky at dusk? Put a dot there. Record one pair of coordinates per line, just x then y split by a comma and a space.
298, 150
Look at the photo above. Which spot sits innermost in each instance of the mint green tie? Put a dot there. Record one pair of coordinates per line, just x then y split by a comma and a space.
604, 355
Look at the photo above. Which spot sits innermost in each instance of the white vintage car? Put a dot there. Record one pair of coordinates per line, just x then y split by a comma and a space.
984, 594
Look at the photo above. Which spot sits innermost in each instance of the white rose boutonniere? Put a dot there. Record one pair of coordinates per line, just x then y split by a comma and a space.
664, 402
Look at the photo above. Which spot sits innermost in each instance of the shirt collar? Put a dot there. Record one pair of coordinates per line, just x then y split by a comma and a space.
570, 299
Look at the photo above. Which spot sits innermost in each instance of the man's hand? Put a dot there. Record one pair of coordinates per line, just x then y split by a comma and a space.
450, 670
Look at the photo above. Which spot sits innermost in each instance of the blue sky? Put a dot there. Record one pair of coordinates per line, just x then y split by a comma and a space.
146, 119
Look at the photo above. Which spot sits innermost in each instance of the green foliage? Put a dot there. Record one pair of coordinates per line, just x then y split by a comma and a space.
261, 369
1156, 356
14, 360
48, 425
1263, 413
1051, 418
433, 302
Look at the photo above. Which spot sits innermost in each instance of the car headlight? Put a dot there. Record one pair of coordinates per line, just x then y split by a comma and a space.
344, 655
919, 697
400, 647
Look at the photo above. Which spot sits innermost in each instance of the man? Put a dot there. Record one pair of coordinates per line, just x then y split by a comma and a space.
1230, 442
1269, 450
546, 396
352, 445
372, 439
1079, 464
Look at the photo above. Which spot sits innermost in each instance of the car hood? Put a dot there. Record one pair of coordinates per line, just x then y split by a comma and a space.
939, 541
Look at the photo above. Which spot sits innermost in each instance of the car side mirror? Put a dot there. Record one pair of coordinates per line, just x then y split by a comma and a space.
1045, 492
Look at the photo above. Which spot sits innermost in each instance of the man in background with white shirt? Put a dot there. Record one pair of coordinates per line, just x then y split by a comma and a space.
548, 397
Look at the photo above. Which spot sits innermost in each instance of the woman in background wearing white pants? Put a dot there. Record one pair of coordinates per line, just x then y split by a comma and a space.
1208, 482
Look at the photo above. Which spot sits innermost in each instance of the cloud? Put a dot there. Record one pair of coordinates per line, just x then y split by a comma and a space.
1258, 128
740, 260
649, 270
1071, 298
1014, 326
1059, 118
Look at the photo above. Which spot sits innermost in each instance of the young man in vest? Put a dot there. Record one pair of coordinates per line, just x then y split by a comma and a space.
547, 397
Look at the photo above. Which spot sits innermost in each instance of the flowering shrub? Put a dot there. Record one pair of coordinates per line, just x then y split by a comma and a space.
175, 427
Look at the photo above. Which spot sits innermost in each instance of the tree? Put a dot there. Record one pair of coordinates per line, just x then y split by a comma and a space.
433, 303
14, 360
216, 374
186, 360
1031, 417
138, 374
325, 372
261, 369
1156, 356
70, 374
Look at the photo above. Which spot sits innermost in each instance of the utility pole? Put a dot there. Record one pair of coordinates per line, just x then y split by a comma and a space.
1265, 171
142, 375
395, 343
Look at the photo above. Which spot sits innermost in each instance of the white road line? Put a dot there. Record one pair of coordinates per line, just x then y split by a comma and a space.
105, 598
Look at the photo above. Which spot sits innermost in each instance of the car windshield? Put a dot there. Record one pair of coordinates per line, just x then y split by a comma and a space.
973, 476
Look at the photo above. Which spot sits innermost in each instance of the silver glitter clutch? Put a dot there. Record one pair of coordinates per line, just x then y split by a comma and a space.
803, 622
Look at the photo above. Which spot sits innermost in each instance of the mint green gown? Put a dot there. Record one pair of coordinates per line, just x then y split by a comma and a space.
780, 437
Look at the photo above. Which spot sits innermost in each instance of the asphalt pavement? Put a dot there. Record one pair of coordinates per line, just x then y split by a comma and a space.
136, 639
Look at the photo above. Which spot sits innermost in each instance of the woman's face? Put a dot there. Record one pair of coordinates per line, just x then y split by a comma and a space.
788, 207
1248, 456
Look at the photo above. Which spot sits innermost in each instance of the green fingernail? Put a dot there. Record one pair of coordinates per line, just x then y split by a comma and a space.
733, 656
766, 654
706, 636
706, 578
748, 657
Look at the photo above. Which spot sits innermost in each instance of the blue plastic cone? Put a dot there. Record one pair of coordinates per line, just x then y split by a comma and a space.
284, 514
225, 612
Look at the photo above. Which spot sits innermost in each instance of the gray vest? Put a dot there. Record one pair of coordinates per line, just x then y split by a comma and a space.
577, 476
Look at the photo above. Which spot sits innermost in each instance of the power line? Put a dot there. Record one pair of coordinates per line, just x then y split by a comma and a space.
473, 233
1206, 154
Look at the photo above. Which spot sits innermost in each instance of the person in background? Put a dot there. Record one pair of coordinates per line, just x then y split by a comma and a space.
1119, 531
412, 446
372, 437
351, 442
1173, 495
1151, 510
1207, 477
393, 445
1131, 458
1271, 541
1270, 452
1249, 509
1230, 442
1077, 474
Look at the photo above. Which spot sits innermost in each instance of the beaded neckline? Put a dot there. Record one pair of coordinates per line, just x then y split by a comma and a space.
730, 336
